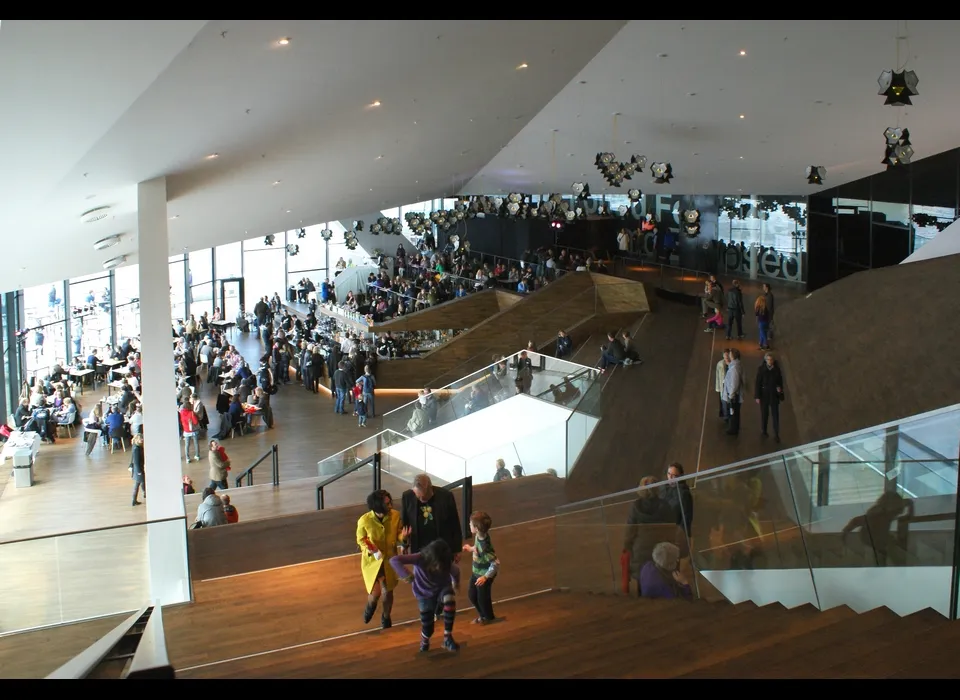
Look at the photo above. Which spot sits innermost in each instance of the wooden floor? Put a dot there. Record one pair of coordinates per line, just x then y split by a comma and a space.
268, 610
568, 635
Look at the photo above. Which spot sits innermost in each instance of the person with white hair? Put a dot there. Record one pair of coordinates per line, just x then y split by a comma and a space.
661, 577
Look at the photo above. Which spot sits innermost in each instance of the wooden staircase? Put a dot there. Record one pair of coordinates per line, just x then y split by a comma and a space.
577, 635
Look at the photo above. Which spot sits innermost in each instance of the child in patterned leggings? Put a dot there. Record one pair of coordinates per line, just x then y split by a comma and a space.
434, 578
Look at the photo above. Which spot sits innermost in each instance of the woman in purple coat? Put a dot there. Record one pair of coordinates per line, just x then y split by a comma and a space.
434, 577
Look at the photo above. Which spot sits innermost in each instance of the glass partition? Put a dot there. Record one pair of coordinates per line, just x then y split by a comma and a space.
65, 578
126, 282
582, 420
178, 288
827, 524
90, 326
44, 343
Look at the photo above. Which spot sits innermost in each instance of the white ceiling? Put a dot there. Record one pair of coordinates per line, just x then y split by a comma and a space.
90, 108
788, 67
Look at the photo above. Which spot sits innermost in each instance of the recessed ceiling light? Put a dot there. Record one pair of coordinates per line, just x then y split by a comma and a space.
114, 262
661, 55
289, 212
522, 66
743, 116
583, 82
107, 242
743, 53
175, 216
741, 157
371, 189
691, 94
380, 157
91, 196
212, 156
375, 103
284, 41
276, 182
92, 215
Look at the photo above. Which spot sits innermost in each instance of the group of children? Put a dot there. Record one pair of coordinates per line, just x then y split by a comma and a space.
433, 572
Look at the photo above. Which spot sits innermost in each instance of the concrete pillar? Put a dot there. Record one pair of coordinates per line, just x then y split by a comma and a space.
166, 541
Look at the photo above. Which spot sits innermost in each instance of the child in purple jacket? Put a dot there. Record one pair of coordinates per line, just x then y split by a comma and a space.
434, 577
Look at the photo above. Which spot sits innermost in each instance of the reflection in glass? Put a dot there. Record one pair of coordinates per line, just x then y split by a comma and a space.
126, 282
778, 223
89, 314
45, 343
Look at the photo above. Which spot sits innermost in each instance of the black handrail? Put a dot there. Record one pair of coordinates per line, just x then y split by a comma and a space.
466, 501
374, 459
274, 453
572, 377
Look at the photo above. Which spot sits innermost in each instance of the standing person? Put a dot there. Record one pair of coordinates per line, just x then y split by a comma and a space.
378, 534
367, 385
733, 392
435, 575
136, 469
735, 309
429, 514
219, 465
763, 321
718, 382
768, 297
769, 393
485, 567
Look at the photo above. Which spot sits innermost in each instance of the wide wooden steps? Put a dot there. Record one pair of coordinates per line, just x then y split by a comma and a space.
577, 635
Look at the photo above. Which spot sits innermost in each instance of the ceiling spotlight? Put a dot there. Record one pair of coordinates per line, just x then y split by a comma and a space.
581, 190
358, 225
623, 210
268, 240
375, 103
292, 249
634, 195
326, 234
301, 233
284, 41
898, 87
743, 53
522, 66
107, 242
743, 116
174, 217
691, 222
212, 156
114, 262
815, 174
276, 182
662, 173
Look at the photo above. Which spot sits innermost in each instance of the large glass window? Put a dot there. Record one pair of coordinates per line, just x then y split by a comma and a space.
89, 314
771, 222
201, 267
44, 344
200, 278
229, 260
312, 253
338, 250
126, 283
178, 302
272, 242
263, 269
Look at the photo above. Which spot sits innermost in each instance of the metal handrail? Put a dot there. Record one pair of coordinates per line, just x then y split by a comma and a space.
73, 533
274, 452
466, 501
151, 659
374, 458
83, 663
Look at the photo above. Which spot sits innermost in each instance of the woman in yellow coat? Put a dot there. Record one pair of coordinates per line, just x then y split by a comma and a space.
378, 534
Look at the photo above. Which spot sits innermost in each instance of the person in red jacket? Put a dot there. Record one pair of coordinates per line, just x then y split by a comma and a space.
190, 424
231, 512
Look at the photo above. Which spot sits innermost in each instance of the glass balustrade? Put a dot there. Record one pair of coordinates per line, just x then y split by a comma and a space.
864, 520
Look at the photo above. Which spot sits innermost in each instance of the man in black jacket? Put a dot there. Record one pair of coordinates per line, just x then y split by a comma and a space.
769, 394
613, 353
735, 309
429, 514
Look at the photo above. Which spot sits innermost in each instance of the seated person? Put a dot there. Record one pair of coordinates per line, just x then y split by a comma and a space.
478, 400
22, 414
113, 426
67, 413
564, 344
613, 353
41, 421
236, 412
662, 578
570, 392
631, 348
714, 321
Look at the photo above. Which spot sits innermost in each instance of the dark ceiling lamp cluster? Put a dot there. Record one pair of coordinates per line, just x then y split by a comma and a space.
326, 234
615, 172
898, 149
417, 222
292, 249
898, 87
662, 173
387, 226
816, 174
691, 222
350, 237
301, 233
268, 240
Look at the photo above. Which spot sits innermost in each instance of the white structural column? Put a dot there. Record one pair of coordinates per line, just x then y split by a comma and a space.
166, 542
